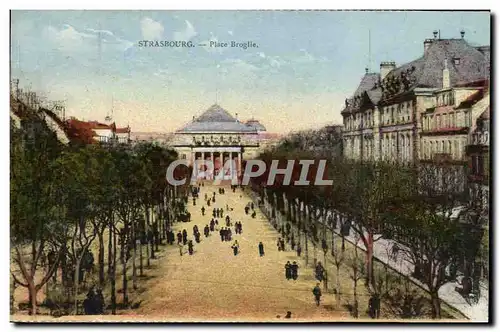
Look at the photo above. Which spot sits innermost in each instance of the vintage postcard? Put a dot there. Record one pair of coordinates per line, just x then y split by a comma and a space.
249, 166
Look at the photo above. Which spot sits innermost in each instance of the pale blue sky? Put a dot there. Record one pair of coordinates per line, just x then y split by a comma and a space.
307, 62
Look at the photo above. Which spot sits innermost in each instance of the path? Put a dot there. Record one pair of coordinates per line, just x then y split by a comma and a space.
215, 285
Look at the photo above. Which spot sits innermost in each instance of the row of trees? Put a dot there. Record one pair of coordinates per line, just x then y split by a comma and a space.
417, 206
66, 200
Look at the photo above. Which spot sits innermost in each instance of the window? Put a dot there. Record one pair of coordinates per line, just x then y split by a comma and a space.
456, 154
456, 61
453, 119
438, 121
449, 147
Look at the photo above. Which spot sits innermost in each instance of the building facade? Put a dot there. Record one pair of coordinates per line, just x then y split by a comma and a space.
217, 136
421, 110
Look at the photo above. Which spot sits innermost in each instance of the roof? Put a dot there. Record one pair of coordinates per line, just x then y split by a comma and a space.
256, 124
125, 130
368, 88
216, 119
464, 62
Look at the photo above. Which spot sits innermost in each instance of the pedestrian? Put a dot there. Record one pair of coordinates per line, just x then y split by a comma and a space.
184, 236
222, 236
288, 270
252, 206
317, 294
206, 196
246, 209
206, 230
292, 244
235, 247
229, 234
222, 212
282, 242
194, 201
203, 210
319, 272
261, 249
181, 247
279, 244
208, 203
179, 237
295, 270
190, 247
214, 213
197, 237
195, 229
254, 214
299, 249
212, 225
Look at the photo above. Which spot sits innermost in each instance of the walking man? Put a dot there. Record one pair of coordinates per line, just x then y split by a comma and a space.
295, 270
288, 270
203, 210
261, 249
317, 294
235, 247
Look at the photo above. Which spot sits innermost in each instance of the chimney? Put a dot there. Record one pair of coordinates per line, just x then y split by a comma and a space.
385, 68
446, 75
427, 44
462, 33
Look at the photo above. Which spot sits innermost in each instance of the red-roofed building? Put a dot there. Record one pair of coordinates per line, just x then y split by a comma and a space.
92, 132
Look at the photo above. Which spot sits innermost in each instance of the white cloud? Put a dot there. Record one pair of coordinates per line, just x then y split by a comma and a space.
69, 40
262, 55
151, 29
186, 34
230, 32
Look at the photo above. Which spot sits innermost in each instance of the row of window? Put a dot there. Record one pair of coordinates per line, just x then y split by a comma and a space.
445, 99
395, 114
446, 120
454, 148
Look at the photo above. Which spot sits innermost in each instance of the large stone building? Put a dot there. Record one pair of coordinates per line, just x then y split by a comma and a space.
422, 110
217, 136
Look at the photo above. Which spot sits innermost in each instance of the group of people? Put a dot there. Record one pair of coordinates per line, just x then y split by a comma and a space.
291, 270
218, 213
94, 303
319, 272
225, 234
281, 244
252, 207
238, 227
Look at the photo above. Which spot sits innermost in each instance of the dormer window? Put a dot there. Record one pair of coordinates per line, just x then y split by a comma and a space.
456, 61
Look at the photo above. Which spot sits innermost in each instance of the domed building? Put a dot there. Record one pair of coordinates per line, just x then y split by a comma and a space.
218, 136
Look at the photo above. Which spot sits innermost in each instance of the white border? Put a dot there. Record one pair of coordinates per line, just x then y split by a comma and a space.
185, 4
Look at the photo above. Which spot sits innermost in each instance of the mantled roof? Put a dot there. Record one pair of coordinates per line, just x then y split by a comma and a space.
367, 91
464, 62
216, 119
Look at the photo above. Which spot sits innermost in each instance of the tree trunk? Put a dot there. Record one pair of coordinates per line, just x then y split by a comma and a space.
32, 294
436, 305
77, 282
100, 236
337, 295
113, 273
369, 261
141, 268
355, 309
124, 280
134, 256
111, 256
